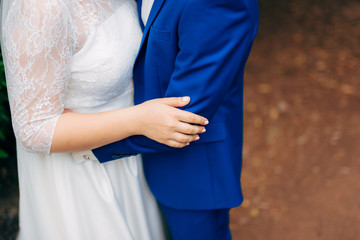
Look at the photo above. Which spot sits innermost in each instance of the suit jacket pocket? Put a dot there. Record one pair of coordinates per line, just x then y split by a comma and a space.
159, 34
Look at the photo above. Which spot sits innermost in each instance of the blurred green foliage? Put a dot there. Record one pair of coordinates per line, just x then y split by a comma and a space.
8, 173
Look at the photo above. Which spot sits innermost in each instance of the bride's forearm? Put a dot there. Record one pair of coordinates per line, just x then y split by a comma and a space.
81, 131
158, 119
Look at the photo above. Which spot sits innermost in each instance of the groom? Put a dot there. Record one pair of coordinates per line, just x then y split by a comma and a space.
195, 48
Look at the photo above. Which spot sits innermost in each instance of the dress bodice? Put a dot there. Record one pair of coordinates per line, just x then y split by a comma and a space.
101, 70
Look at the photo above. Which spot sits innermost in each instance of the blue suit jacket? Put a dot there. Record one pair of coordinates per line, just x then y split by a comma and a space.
195, 48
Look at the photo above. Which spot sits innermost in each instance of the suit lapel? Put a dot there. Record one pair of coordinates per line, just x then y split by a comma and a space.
153, 13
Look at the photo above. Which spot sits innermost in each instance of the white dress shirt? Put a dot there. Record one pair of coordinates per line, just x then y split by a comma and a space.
145, 10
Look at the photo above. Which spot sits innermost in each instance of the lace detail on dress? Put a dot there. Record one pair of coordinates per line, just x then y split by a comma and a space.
39, 39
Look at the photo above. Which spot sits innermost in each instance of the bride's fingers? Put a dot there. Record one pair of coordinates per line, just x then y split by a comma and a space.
187, 128
175, 144
193, 118
182, 115
184, 138
174, 101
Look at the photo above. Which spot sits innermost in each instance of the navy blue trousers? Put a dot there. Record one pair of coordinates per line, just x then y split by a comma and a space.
197, 224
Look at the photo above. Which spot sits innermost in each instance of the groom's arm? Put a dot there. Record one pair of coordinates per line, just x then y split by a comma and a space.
215, 38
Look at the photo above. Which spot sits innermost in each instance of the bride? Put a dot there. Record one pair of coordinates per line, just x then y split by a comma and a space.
68, 67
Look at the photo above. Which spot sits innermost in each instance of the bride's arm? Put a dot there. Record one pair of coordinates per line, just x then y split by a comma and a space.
38, 42
156, 119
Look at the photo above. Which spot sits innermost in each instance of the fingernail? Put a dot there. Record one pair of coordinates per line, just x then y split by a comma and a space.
187, 144
186, 99
204, 130
197, 138
206, 122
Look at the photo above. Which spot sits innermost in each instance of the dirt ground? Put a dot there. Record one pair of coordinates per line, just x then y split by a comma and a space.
301, 174
301, 169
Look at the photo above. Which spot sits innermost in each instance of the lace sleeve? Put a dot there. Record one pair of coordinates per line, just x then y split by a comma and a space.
38, 43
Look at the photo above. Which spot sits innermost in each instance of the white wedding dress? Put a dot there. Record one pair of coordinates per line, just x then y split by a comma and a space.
77, 55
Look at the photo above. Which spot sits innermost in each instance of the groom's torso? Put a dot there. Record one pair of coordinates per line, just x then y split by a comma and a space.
205, 175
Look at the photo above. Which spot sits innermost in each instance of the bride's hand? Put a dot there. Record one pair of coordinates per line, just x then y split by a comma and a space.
160, 120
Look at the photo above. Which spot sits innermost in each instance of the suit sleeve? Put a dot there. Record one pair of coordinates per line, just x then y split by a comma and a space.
215, 38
